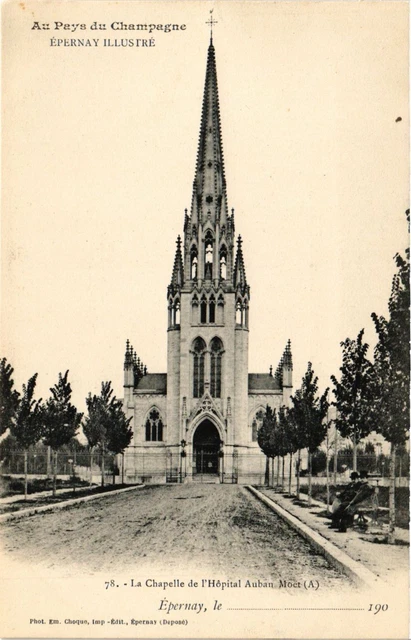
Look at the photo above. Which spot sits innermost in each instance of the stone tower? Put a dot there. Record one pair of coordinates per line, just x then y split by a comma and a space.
208, 302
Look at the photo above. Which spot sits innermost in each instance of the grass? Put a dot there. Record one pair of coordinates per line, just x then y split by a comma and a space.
10, 486
81, 491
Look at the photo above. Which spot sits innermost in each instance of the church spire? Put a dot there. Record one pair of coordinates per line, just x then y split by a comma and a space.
209, 188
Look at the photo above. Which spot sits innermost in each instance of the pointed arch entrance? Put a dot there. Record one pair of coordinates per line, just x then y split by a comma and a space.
206, 447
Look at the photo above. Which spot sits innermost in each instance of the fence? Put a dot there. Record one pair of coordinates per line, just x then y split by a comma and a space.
170, 466
135, 466
376, 465
69, 464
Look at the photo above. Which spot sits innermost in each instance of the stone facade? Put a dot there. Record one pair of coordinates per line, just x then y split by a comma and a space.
201, 418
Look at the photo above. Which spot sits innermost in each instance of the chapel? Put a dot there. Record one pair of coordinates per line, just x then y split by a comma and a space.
199, 421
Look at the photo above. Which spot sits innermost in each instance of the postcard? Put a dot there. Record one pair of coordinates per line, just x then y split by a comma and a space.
202, 207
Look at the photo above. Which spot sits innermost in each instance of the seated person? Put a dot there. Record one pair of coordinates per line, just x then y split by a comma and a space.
344, 498
346, 515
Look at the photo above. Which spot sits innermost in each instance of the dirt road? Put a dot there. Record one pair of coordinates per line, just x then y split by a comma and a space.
219, 528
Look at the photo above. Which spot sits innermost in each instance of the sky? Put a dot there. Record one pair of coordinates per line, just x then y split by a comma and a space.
99, 148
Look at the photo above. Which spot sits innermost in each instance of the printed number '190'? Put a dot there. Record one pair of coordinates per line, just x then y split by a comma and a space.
376, 608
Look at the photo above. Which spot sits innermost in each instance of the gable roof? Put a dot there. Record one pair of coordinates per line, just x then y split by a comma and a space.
153, 383
262, 382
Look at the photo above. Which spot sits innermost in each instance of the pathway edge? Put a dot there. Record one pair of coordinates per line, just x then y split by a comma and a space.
63, 504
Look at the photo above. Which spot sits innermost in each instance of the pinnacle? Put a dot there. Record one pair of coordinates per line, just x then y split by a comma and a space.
177, 277
128, 357
239, 271
287, 356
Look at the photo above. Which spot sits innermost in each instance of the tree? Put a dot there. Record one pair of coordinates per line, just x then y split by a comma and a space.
61, 420
9, 397
92, 426
264, 439
119, 433
283, 442
292, 442
106, 425
354, 393
27, 426
310, 412
392, 366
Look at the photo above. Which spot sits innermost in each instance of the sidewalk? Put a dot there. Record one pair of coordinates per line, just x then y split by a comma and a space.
389, 562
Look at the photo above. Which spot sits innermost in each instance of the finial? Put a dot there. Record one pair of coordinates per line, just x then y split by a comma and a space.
135, 357
211, 22
271, 370
127, 345
178, 242
145, 370
239, 241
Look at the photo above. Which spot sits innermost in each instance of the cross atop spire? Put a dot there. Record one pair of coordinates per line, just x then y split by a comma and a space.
211, 21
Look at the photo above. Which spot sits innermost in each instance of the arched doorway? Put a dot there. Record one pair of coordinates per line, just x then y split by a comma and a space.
206, 446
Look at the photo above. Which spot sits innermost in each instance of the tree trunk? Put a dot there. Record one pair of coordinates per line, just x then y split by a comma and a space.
54, 473
289, 473
310, 488
278, 471
298, 474
25, 474
335, 456
91, 467
102, 467
49, 472
267, 471
122, 468
328, 482
354, 453
283, 475
272, 472
391, 498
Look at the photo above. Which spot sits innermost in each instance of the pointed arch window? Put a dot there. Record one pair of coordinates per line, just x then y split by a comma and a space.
256, 424
154, 427
223, 263
203, 310
211, 309
208, 272
216, 349
177, 313
194, 263
239, 313
199, 348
